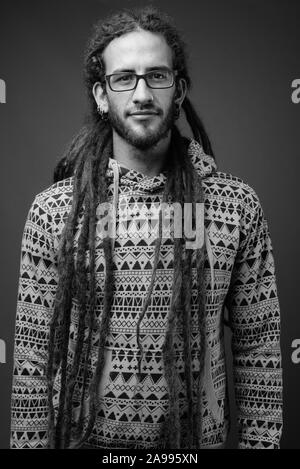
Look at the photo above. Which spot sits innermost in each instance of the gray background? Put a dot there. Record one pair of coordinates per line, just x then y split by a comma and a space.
243, 57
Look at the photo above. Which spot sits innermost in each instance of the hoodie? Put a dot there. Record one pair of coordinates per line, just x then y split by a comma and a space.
239, 277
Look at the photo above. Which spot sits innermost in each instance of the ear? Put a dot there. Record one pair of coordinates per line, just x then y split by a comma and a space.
100, 96
181, 90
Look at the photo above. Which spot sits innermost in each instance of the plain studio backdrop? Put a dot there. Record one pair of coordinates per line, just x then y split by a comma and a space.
243, 57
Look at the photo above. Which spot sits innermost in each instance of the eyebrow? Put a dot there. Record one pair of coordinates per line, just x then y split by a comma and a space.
148, 69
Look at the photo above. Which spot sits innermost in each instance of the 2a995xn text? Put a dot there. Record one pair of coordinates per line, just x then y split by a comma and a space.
176, 458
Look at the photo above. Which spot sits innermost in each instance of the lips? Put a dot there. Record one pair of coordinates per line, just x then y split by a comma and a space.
143, 113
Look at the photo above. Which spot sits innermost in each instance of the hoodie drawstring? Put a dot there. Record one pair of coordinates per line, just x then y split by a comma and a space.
213, 405
208, 379
211, 263
116, 173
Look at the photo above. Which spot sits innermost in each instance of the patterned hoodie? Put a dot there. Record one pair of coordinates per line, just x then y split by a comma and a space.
239, 275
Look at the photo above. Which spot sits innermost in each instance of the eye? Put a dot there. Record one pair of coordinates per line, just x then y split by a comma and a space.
158, 75
124, 78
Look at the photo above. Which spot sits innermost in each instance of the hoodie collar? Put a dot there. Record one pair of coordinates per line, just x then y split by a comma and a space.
203, 163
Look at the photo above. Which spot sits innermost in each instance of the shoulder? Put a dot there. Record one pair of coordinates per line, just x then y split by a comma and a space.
56, 198
49, 210
232, 189
231, 200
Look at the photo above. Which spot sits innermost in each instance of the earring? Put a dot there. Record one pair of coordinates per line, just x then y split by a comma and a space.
177, 111
103, 115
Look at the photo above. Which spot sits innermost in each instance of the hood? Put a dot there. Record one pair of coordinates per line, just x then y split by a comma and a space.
122, 176
204, 164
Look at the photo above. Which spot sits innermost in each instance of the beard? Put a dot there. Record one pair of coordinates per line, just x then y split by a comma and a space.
150, 137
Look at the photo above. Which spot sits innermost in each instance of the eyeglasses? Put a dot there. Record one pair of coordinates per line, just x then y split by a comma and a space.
126, 81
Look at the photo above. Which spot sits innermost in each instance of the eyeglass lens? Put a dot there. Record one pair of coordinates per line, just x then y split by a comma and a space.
154, 79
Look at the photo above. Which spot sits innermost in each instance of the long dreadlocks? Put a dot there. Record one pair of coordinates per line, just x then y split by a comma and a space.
86, 159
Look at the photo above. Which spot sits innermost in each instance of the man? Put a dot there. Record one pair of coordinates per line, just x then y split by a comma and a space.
120, 329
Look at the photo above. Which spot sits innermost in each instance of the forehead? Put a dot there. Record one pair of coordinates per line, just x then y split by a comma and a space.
137, 50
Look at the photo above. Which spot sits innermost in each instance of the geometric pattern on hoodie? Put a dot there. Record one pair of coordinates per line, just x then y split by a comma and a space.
131, 414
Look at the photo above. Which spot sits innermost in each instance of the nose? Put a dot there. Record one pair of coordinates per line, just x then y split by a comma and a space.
142, 93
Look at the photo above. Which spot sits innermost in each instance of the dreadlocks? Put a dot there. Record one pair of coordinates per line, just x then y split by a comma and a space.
86, 159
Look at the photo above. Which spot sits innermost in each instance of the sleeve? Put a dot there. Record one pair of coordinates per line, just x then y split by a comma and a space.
36, 292
254, 317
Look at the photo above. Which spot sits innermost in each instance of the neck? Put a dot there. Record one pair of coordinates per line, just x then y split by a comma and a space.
149, 162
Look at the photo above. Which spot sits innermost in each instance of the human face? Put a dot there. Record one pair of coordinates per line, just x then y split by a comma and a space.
139, 52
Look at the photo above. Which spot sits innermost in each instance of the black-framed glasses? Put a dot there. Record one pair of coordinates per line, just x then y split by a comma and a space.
126, 81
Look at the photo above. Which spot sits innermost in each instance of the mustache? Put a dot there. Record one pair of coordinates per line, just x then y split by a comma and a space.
144, 109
